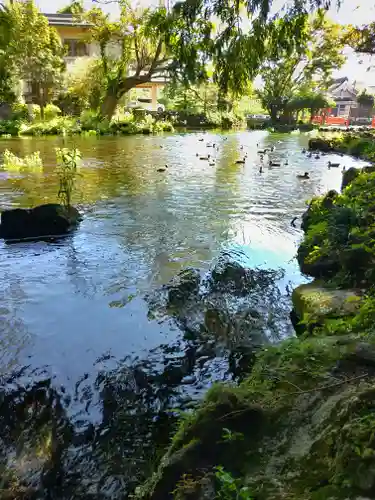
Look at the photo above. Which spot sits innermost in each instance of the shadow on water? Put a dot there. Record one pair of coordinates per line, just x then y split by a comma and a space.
105, 438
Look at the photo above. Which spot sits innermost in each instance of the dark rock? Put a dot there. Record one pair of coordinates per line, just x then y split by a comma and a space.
319, 144
44, 220
232, 276
183, 287
349, 176
328, 202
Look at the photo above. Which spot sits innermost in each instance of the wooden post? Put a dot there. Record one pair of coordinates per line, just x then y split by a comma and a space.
154, 97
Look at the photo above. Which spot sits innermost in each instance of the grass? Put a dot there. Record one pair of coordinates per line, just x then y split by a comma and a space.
89, 124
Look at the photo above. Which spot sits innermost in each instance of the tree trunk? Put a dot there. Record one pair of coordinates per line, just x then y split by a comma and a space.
116, 91
108, 106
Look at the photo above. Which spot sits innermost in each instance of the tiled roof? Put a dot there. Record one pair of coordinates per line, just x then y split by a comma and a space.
64, 20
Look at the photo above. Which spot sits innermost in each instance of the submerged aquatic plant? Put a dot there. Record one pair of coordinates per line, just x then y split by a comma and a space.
67, 163
14, 162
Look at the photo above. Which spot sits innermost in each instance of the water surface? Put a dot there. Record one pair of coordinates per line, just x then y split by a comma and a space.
75, 309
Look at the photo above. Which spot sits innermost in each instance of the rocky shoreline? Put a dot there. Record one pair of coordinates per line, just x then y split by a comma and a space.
300, 425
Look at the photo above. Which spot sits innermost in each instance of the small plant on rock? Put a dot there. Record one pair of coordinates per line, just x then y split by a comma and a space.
67, 163
229, 487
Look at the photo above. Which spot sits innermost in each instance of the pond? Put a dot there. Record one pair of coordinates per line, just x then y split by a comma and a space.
82, 354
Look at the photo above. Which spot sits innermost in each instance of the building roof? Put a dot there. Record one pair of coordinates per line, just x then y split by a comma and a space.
64, 20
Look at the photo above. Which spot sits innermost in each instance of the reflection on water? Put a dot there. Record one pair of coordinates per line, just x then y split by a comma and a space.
77, 308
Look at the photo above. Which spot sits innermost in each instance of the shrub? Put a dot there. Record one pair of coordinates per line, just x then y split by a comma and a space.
51, 111
67, 163
13, 162
10, 127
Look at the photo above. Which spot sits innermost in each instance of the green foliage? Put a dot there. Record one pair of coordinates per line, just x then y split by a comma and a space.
75, 7
229, 487
67, 163
13, 162
35, 51
10, 127
51, 111
291, 77
55, 126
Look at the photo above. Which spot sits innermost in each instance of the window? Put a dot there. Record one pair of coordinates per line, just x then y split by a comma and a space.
75, 48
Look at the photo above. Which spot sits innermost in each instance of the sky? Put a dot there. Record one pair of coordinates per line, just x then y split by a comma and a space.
355, 12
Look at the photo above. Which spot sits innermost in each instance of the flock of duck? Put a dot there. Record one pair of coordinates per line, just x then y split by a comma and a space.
262, 153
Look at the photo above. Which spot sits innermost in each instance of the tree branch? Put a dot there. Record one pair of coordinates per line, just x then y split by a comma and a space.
155, 61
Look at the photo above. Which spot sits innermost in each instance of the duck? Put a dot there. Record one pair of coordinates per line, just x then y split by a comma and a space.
201, 139
241, 148
262, 151
317, 157
261, 169
205, 157
309, 155
304, 150
274, 163
161, 169
212, 163
241, 162
304, 176
209, 145
333, 165
272, 148
286, 162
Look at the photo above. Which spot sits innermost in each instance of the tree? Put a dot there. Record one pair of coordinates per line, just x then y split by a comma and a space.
362, 39
290, 73
182, 40
366, 100
6, 74
75, 7
132, 51
35, 51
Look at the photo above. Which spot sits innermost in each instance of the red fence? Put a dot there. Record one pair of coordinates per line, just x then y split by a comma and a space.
338, 121
331, 120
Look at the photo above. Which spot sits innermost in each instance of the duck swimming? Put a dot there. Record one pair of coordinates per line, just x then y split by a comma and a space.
274, 163
333, 165
304, 150
304, 176
205, 157
317, 157
161, 169
241, 162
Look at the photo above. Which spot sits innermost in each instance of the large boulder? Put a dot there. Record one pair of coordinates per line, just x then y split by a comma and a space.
352, 173
314, 304
42, 221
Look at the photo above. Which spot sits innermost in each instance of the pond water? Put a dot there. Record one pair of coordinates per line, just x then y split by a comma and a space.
75, 324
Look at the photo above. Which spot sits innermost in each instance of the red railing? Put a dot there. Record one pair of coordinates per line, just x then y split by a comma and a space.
331, 120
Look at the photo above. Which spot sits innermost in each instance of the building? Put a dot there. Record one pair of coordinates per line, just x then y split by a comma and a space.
345, 95
74, 36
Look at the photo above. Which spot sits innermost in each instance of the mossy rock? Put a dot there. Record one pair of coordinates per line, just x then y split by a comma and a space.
319, 144
314, 302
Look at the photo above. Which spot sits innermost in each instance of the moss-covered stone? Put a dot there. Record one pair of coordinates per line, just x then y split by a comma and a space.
314, 303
